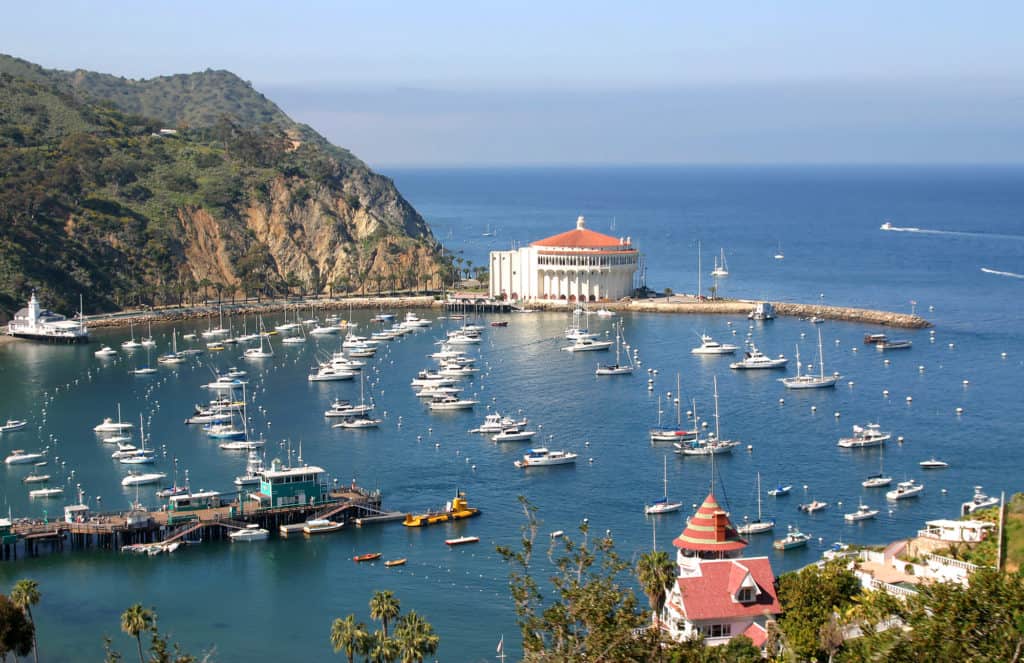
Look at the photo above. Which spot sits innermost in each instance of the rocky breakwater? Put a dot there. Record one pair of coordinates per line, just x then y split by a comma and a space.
848, 314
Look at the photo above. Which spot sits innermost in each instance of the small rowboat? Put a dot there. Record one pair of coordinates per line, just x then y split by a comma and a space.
368, 557
395, 562
502, 323
461, 540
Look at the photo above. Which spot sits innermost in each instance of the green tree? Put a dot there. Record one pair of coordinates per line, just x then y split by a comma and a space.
25, 594
415, 638
656, 571
17, 635
134, 621
591, 613
384, 607
349, 636
382, 649
809, 598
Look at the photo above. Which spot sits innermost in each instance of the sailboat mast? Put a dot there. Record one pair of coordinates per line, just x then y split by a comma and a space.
679, 415
665, 476
717, 436
821, 356
758, 497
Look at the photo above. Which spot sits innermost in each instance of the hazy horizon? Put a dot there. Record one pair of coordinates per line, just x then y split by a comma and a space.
498, 84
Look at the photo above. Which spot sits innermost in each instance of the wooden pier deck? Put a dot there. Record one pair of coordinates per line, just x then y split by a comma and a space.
113, 531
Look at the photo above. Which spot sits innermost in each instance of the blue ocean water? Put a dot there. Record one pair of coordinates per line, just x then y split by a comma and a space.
277, 599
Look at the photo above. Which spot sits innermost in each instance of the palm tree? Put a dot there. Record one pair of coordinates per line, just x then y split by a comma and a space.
25, 594
349, 635
385, 607
655, 571
134, 621
415, 638
382, 649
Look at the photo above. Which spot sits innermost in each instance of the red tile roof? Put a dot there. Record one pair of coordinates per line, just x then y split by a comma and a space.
581, 238
757, 633
710, 530
707, 596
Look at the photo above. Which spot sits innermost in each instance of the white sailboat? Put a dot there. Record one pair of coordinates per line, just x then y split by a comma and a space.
618, 368
757, 526
673, 433
807, 381
663, 505
779, 255
260, 352
712, 446
174, 357
131, 343
880, 480
721, 268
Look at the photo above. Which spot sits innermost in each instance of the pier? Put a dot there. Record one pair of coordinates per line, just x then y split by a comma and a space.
113, 531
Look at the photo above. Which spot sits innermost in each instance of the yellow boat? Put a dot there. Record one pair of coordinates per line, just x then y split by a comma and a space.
215, 348
457, 509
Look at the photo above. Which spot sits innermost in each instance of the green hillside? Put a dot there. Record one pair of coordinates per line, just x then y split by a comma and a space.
99, 198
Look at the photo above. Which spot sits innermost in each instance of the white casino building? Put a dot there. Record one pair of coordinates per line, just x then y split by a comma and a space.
578, 265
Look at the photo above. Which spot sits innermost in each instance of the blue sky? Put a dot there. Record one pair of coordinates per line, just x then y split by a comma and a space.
488, 83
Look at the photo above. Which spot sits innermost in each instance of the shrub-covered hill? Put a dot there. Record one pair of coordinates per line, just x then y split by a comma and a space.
147, 191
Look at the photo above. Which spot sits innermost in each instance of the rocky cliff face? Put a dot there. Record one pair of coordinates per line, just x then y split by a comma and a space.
220, 190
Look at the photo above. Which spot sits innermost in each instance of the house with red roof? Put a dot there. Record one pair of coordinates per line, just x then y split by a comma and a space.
580, 265
718, 593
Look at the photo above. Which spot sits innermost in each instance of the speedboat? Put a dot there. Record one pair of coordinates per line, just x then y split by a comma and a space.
541, 456
346, 409
780, 490
709, 346
330, 374
445, 403
513, 434
134, 479
111, 426
105, 351
978, 502
36, 478
124, 450
251, 532
430, 392
46, 492
794, 539
462, 540
412, 320
495, 423
139, 457
604, 313
144, 370
357, 422
933, 464
324, 330
241, 445
870, 435
812, 506
755, 359
904, 490
22, 457
321, 526
863, 512
587, 345
224, 383
13, 425
886, 226
894, 344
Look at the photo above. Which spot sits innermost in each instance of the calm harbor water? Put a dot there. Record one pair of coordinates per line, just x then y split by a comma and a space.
278, 598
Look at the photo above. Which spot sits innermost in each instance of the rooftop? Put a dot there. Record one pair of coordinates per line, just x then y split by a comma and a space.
712, 594
710, 530
581, 238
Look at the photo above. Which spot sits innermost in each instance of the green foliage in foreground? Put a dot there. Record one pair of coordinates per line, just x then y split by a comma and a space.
413, 639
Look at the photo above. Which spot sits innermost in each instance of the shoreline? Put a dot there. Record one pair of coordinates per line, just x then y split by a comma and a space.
675, 304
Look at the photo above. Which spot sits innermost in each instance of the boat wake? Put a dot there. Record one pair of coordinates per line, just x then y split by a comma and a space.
1012, 275
956, 233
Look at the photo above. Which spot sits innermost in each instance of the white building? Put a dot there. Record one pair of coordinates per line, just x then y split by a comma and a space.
41, 324
578, 265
